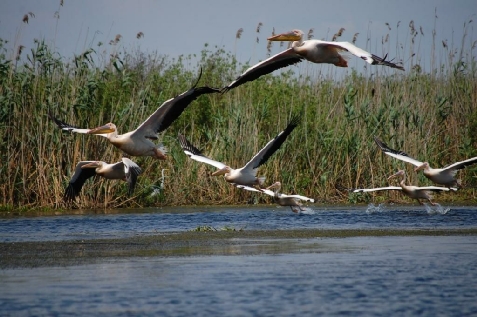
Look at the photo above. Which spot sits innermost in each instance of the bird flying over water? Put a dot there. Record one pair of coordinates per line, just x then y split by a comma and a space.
442, 176
413, 192
315, 51
246, 175
138, 142
125, 170
294, 201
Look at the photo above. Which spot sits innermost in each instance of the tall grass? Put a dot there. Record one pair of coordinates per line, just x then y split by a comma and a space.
432, 116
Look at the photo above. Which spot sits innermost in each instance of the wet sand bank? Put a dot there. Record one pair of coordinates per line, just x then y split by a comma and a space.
192, 243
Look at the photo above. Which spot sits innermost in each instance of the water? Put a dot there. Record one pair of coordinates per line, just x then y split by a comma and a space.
359, 276
152, 221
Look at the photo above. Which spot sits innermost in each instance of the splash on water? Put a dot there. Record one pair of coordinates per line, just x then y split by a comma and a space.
437, 209
307, 211
375, 208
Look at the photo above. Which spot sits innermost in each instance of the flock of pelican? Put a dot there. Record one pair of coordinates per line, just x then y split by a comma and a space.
140, 141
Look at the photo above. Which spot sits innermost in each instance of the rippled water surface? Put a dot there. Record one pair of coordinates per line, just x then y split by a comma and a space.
358, 276
150, 221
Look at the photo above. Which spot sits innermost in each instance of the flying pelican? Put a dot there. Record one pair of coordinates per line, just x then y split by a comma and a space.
315, 51
443, 176
138, 142
294, 201
413, 192
125, 170
246, 175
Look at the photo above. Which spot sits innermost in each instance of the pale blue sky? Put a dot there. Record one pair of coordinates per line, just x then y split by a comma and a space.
183, 27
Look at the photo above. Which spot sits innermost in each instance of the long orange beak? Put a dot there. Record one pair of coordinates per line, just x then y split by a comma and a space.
395, 175
107, 128
288, 36
222, 171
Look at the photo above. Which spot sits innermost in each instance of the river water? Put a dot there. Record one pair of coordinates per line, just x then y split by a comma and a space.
354, 276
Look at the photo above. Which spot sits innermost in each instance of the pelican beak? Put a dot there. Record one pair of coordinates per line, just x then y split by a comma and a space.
395, 175
91, 165
420, 167
288, 36
104, 129
222, 171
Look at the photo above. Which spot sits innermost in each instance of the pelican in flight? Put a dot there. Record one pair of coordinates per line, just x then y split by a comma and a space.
442, 176
315, 51
138, 142
246, 175
125, 170
294, 201
413, 192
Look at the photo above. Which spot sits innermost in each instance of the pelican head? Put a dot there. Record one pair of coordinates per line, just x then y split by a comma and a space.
294, 35
399, 173
95, 164
424, 166
222, 171
104, 129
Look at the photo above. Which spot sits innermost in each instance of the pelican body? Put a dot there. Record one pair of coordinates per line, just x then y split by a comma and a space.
315, 51
413, 192
442, 176
293, 201
125, 170
246, 175
139, 142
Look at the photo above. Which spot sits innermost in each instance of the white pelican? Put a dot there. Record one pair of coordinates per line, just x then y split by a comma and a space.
246, 175
138, 142
125, 170
443, 176
315, 51
294, 201
413, 192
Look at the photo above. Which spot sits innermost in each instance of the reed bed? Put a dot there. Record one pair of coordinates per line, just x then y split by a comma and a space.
430, 115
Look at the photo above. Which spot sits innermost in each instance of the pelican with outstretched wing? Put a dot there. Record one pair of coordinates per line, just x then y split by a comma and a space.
442, 176
315, 51
294, 201
246, 175
139, 142
413, 192
125, 170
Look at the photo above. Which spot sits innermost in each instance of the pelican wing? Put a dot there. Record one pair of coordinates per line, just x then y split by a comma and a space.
79, 178
170, 110
368, 57
131, 172
253, 189
462, 164
436, 189
277, 61
304, 198
195, 154
366, 190
396, 154
66, 126
272, 146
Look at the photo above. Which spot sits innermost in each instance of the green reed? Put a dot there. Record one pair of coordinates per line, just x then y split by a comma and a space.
432, 116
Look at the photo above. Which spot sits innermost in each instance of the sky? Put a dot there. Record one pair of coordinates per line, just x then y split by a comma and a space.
183, 27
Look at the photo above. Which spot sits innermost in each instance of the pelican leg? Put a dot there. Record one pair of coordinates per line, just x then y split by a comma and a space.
159, 154
433, 204
295, 210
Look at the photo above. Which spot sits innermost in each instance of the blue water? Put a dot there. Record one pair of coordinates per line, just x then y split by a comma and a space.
152, 221
359, 276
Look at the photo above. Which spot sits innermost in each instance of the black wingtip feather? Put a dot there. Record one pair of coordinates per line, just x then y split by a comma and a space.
186, 145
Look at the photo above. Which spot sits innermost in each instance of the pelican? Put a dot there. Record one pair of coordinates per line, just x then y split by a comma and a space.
413, 192
442, 176
246, 175
294, 201
138, 142
315, 51
125, 170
